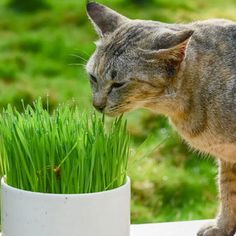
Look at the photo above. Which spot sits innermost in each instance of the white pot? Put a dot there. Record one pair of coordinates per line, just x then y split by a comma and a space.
27, 213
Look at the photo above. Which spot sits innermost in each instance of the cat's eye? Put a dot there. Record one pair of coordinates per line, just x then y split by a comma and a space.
93, 78
116, 86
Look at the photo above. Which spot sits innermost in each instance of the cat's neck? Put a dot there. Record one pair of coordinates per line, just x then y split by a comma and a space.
189, 109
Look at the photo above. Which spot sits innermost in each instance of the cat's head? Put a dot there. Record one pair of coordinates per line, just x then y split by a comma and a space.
135, 62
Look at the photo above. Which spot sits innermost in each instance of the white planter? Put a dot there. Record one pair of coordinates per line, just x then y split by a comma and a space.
27, 213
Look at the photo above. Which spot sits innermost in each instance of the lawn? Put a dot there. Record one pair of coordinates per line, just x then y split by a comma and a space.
43, 53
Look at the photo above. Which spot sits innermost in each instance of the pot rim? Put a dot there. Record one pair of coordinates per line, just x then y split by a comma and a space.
64, 195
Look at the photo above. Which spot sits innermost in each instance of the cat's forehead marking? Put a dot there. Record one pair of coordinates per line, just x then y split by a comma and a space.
123, 39
101, 65
112, 51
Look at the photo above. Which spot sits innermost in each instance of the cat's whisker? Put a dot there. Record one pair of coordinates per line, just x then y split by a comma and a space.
77, 64
115, 108
85, 53
77, 56
120, 106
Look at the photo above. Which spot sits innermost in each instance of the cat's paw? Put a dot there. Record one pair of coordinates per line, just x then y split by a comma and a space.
212, 230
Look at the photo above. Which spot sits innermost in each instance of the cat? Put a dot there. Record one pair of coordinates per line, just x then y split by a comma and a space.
186, 72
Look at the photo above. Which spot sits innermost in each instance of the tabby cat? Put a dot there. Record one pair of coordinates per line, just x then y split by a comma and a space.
184, 71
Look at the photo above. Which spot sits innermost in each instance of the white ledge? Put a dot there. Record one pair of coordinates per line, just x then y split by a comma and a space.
185, 228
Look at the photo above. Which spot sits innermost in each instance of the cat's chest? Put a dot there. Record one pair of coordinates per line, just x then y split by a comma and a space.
214, 146
210, 143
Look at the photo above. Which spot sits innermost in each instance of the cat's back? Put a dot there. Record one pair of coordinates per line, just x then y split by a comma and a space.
214, 26
214, 22
215, 34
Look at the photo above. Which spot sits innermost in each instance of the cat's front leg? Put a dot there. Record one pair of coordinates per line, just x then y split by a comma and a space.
225, 224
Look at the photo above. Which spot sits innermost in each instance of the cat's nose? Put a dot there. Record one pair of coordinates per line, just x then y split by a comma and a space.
99, 106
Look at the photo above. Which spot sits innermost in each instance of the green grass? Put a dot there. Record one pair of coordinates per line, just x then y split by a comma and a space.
65, 152
173, 183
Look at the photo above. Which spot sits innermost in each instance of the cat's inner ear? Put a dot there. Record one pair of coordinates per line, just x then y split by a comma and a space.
104, 19
173, 56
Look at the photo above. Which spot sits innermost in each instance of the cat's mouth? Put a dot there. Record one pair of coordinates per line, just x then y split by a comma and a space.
116, 110
108, 111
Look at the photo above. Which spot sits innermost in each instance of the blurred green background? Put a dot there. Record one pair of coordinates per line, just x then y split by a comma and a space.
44, 45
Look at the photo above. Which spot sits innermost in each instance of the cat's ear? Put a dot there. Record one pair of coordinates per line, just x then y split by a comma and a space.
104, 19
173, 56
